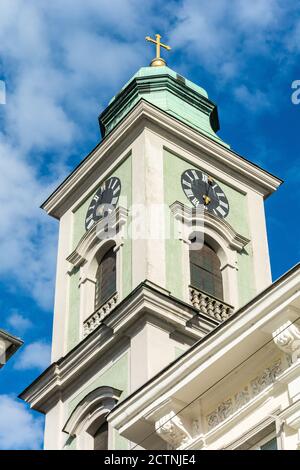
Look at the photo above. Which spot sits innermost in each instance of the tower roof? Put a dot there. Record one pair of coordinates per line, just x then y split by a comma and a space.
169, 91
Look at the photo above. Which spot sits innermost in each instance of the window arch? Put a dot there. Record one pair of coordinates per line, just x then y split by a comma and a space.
205, 270
88, 421
105, 278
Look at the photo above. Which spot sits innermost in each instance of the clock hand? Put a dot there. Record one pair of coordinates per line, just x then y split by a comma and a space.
206, 197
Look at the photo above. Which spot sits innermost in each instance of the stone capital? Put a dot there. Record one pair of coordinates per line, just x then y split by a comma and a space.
287, 338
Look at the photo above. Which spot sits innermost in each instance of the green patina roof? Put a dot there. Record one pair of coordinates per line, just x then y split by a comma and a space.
170, 92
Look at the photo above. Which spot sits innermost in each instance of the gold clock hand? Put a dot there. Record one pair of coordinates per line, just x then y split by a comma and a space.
206, 197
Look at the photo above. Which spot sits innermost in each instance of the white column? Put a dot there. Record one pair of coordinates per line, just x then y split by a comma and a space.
230, 284
138, 200
154, 168
118, 249
148, 341
61, 304
54, 438
258, 236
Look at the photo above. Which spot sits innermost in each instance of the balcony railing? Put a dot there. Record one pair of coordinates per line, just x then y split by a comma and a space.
209, 305
96, 318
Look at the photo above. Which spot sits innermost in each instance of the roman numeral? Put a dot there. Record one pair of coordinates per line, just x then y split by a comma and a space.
114, 200
189, 176
186, 183
221, 211
189, 192
90, 224
195, 202
96, 198
89, 218
113, 183
116, 190
224, 204
196, 177
204, 178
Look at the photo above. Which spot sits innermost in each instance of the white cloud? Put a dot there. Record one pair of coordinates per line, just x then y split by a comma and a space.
18, 322
19, 430
254, 100
257, 13
221, 35
293, 39
2, 92
27, 237
34, 356
59, 60
35, 113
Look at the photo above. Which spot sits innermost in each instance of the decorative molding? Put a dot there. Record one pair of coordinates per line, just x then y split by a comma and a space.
97, 233
96, 404
144, 301
172, 424
241, 398
8, 346
287, 338
172, 430
192, 218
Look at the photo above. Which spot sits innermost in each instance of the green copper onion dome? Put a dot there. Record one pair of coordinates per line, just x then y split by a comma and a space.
170, 92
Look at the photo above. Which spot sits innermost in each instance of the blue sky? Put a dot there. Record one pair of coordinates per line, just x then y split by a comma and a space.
62, 61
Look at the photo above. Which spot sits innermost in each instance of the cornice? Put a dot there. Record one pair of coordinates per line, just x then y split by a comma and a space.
145, 303
9, 344
189, 216
143, 114
102, 397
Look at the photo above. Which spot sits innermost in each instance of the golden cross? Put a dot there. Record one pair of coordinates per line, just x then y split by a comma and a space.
158, 61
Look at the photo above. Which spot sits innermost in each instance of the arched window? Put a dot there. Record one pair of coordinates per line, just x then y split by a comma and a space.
101, 437
105, 278
88, 421
205, 269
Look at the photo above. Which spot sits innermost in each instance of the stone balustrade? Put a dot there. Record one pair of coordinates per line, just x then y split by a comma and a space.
209, 305
96, 318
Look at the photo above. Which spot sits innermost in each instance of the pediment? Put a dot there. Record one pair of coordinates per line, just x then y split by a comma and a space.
190, 217
104, 229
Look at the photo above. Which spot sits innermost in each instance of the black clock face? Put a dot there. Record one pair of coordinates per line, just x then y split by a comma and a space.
200, 188
103, 202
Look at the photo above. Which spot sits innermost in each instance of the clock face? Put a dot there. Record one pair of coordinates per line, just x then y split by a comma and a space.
200, 188
103, 202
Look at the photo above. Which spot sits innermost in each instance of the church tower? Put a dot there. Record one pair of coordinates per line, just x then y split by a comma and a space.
162, 237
